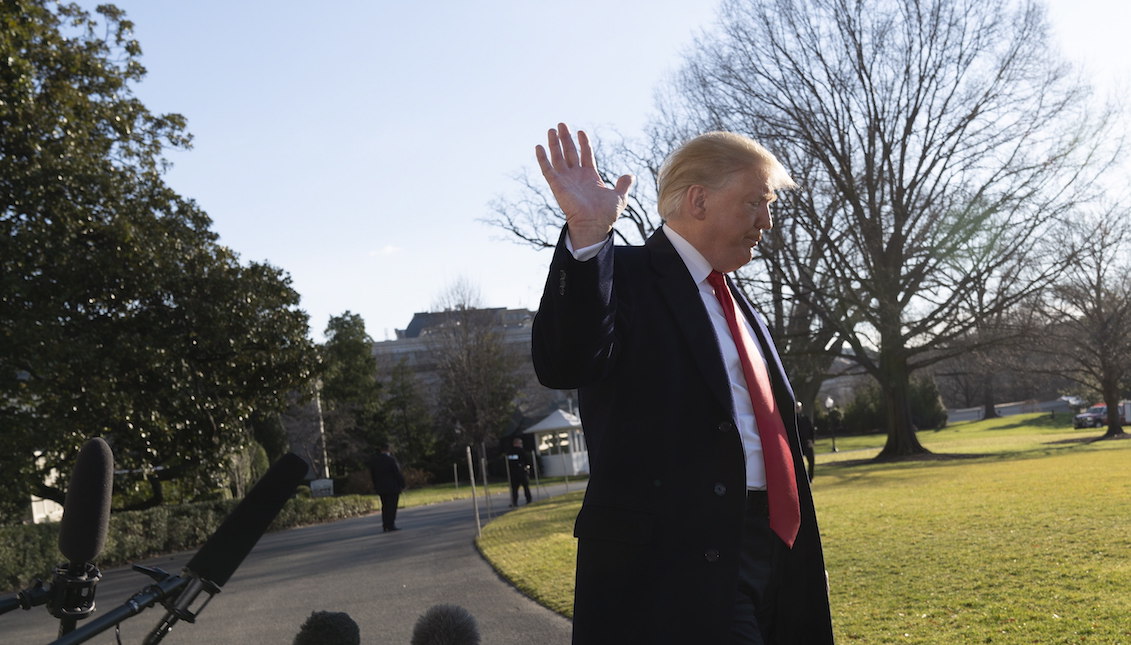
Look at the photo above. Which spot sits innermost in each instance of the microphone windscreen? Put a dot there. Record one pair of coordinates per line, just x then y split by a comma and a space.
218, 559
446, 625
86, 507
328, 628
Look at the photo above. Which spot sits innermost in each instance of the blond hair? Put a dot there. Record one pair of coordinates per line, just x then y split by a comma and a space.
709, 160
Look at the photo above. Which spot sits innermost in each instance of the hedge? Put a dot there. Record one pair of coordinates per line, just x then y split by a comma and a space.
31, 551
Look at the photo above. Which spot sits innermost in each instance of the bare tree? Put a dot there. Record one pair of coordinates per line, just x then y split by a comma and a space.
477, 370
1000, 360
1089, 312
944, 139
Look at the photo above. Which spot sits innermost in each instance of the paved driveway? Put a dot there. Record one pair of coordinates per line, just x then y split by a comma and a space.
383, 581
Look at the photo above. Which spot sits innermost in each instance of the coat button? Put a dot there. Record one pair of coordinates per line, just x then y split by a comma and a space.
726, 426
720, 490
712, 555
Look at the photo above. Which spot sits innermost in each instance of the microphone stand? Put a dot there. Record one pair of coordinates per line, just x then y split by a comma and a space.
165, 585
212, 565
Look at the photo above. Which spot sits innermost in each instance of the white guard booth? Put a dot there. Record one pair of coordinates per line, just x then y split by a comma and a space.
560, 445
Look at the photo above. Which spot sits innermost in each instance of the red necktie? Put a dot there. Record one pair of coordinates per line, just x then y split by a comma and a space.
781, 485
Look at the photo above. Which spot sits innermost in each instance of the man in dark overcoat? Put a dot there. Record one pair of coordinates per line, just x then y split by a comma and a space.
388, 482
675, 543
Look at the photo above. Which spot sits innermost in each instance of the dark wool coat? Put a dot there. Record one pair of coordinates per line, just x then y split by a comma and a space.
660, 528
386, 474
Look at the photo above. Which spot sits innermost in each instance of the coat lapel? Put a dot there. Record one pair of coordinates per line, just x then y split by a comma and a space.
682, 296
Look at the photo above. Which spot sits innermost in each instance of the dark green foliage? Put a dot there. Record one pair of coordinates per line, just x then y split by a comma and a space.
27, 551
351, 395
865, 412
927, 409
120, 314
408, 424
269, 432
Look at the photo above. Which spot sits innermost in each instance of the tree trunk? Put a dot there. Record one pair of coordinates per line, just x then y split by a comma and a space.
902, 440
1111, 398
989, 411
1114, 431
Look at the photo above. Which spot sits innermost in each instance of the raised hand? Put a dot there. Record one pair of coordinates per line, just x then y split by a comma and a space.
589, 205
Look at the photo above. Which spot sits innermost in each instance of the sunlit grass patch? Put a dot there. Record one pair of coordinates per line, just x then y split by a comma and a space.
1015, 551
534, 548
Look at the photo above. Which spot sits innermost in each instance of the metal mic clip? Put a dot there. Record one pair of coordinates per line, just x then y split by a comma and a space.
180, 608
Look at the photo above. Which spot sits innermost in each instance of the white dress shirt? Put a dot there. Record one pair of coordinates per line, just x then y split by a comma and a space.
699, 269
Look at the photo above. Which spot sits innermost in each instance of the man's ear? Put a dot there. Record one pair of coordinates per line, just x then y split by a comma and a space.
696, 201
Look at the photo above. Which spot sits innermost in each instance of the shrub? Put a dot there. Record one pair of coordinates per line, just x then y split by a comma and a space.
416, 477
31, 551
28, 551
865, 413
927, 409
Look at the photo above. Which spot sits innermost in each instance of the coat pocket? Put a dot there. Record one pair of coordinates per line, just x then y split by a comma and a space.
616, 524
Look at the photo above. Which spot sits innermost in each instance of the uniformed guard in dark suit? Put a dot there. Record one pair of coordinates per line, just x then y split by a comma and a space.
518, 470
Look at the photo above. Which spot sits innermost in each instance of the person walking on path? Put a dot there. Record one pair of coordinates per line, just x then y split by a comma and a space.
388, 482
518, 468
698, 523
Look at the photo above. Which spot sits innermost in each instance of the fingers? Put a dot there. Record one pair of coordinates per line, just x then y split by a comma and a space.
587, 159
543, 161
562, 150
568, 147
555, 145
563, 154
624, 184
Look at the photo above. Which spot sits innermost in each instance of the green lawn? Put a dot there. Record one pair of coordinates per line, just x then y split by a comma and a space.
1022, 537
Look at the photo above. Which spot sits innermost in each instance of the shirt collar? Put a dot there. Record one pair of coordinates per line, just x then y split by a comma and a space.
697, 265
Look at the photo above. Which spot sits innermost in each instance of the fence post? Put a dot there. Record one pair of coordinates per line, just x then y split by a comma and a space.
483, 472
474, 499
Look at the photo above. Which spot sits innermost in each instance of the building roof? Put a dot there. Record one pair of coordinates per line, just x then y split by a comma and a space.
423, 322
557, 420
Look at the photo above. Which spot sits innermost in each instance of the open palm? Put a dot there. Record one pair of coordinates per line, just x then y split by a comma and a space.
589, 205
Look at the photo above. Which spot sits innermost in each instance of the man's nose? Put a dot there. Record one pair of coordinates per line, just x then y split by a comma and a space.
765, 219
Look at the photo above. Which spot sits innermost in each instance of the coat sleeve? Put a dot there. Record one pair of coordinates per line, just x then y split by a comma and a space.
573, 340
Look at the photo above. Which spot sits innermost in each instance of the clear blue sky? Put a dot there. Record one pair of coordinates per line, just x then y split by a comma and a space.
357, 143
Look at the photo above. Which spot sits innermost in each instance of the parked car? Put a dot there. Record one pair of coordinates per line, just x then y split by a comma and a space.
1096, 416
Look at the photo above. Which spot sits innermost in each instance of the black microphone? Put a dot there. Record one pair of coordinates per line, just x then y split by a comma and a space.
86, 508
446, 625
222, 554
82, 534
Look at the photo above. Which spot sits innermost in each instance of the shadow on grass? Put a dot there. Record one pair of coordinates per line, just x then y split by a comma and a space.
1087, 440
944, 458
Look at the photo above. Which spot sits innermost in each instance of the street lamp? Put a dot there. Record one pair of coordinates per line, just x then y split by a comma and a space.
832, 423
